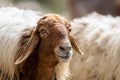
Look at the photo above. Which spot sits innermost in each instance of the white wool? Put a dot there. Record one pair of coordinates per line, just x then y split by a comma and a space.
12, 23
99, 39
62, 71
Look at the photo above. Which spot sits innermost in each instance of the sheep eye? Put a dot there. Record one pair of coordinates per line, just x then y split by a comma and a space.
42, 31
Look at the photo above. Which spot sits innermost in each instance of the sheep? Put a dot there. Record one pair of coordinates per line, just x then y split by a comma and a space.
100, 38
34, 47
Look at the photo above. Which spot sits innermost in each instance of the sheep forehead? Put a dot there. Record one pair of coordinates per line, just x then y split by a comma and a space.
53, 19
59, 28
55, 25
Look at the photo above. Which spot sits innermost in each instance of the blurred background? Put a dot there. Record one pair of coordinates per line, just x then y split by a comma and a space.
67, 8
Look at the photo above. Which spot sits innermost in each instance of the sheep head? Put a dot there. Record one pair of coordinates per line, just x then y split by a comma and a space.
56, 42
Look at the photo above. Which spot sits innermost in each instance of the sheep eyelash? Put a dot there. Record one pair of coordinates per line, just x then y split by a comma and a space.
43, 31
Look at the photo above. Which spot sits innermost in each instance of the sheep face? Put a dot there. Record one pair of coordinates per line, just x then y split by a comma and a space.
54, 34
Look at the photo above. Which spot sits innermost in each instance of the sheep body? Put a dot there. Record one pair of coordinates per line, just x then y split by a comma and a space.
14, 24
99, 39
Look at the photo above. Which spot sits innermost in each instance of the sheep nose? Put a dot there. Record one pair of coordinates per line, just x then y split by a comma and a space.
64, 51
65, 48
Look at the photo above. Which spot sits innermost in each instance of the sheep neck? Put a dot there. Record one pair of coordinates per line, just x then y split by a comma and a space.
47, 62
39, 66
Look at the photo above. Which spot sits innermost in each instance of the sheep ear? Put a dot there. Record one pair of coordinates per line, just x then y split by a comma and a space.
75, 45
24, 54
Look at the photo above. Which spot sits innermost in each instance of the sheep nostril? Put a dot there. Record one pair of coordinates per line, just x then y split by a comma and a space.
69, 48
65, 48
62, 48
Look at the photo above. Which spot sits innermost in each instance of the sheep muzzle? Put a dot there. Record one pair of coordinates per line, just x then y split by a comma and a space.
64, 51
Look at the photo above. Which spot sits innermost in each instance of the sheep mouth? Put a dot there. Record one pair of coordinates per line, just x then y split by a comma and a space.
63, 57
